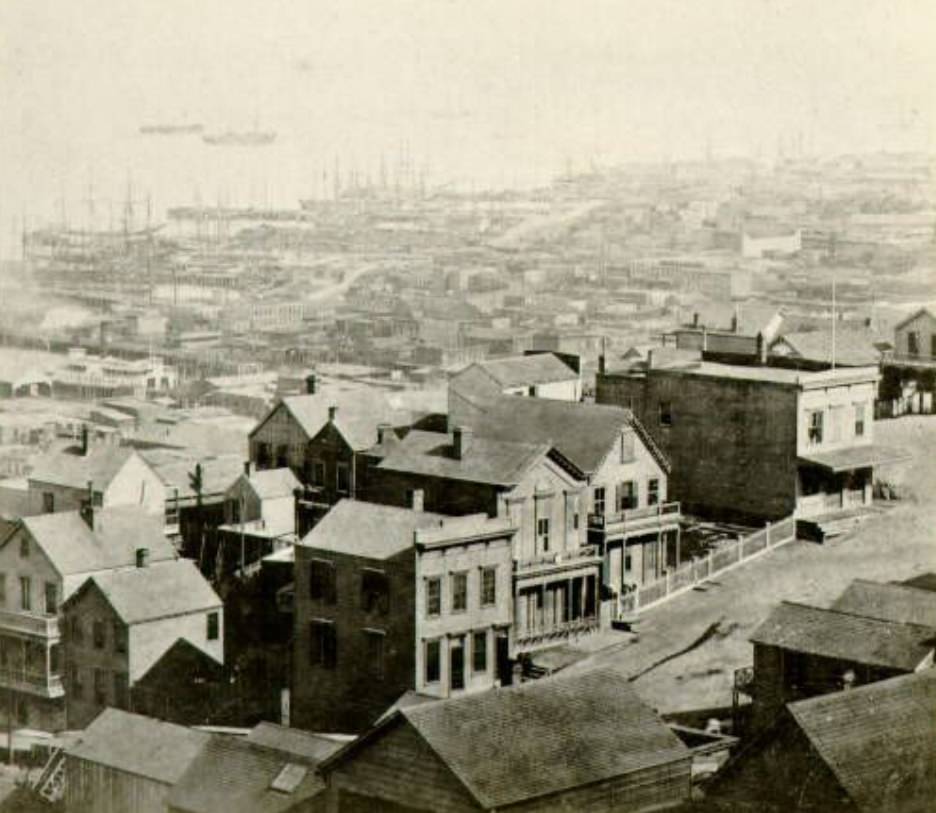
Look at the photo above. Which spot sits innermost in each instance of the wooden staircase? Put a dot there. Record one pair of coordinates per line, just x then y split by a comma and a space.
51, 782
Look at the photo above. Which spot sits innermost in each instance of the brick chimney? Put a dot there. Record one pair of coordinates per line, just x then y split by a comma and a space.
461, 440
310, 384
332, 412
87, 507
142, 557
761, 349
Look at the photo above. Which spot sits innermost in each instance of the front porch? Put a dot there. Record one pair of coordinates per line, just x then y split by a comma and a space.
556, 598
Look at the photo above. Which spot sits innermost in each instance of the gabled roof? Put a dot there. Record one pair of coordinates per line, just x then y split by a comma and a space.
542, 737
182, 662
520, 371
582, 433
914, 315
140, 745
889, 602
368, 529
856, 347
233, 775
73, 548
160, 590
99, 466
269, 484
174, 468
879, 740
495, 462
845, 636
357, 417
295, 741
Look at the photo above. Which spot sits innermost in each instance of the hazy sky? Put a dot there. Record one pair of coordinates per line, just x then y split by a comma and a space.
497, 89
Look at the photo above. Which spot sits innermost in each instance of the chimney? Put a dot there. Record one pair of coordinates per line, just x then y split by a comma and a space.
142, 557
650, 359
84, 439
417, 499
761, 349
734, 323
332, 411
695, 319
601, 364
384, 433
310, 384
87, 507
461, 438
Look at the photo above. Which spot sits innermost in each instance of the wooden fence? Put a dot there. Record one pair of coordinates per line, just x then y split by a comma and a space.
698, 569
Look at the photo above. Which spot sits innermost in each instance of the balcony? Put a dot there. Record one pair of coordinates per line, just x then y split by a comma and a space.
40, 626
661, 517
559, 561
544, 634
32, 682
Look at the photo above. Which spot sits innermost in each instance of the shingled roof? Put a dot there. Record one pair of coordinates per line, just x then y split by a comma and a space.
161, 590
519, 371
486, 460
582, 433
232, 775
889, 602
846, 636
540, 738
72, 547
879, 740
139, 745
368, 529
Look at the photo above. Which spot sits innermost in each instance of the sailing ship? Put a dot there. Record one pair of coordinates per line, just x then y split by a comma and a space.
247, 138
171, 129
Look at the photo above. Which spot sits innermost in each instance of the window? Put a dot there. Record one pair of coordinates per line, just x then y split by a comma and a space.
120, 637
100, 687
627, 496
575, 521
913, 343
75, 630
459, 592
531, 392
51, 598
666, 413
457, 665
24, 546
55, 658
121, 699
814, 433
98, 634
324, 644
282, 456
342, 478
433, 661
213, 626
97, 499
375, 591
542, 533
25, 593
859, 420
4, 651
48, 502
2, 589
322, 585
653, 491
488, 586
599, 501
479, 651
317, 473
235, 512
264, 455
628, 563
433, 597
74, 679
374, 642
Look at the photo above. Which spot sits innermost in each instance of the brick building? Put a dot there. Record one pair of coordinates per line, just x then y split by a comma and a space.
755, 441
389, 600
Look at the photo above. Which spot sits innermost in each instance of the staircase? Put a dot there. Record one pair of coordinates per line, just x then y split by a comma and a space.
51, 782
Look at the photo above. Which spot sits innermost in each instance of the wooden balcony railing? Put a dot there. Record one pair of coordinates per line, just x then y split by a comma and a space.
636, 518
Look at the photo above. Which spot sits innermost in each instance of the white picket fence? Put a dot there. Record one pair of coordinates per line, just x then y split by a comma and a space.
727, 556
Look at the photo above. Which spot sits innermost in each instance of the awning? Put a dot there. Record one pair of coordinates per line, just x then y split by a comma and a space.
855, 457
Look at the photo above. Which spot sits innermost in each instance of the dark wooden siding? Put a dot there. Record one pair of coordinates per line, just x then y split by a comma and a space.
656, 788
399, 767
94, 788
